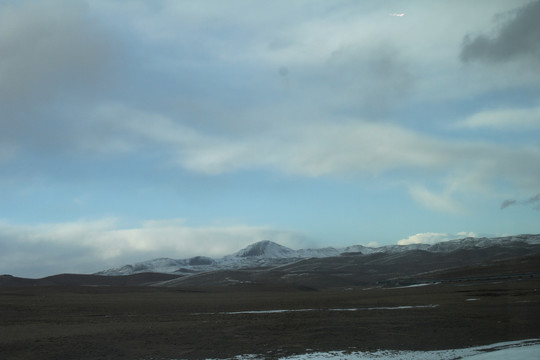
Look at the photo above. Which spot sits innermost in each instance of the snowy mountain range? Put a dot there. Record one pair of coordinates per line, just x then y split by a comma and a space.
268, 254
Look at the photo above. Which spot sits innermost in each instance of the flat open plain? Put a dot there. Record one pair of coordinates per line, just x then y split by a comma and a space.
84, 322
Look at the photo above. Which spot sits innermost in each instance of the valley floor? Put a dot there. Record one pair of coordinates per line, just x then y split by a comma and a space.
171, 323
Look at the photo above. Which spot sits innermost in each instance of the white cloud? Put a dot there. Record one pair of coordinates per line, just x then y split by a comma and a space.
348, 147
90, 246
517, 119
442, 202
432, 238
322, 148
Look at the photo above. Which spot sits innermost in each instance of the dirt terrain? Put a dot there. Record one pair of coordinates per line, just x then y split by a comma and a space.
343, 303
83, 322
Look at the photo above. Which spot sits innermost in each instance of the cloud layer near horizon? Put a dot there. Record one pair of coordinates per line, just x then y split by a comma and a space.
91, 246
432, 238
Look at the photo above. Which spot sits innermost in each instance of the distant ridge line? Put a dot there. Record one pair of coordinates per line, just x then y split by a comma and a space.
272, 253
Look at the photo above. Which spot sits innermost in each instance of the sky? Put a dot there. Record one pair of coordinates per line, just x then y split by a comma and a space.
131, 130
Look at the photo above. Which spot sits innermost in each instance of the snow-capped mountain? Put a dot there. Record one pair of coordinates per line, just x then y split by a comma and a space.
471, 243
266, 249
267, 253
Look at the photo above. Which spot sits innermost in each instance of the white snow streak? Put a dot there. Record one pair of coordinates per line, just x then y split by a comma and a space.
515, 350
277, 311
416, 285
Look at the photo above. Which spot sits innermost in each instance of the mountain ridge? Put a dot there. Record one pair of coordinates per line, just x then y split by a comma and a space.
267, 265
267, 253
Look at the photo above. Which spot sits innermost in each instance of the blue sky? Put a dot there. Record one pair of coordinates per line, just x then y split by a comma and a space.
131, 130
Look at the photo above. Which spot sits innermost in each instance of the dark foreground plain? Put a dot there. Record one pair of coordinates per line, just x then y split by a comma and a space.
343, 303
170, 323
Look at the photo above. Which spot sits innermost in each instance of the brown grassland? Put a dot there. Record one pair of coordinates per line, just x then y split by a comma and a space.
82, 322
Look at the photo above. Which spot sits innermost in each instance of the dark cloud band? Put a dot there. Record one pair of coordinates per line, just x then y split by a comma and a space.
533, 200
518, 37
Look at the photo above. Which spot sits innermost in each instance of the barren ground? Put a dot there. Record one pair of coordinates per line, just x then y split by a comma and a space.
168, 323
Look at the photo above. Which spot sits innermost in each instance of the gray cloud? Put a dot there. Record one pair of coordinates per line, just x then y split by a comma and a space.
45, 47
507, 203
374, 79
518, 37
533, 200
53, 55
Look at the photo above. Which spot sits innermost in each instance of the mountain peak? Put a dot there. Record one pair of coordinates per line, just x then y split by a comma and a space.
268, 252
266, 249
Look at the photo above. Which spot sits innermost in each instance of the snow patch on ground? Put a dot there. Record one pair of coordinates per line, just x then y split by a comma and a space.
416, 285
515, 350
264, 311
277, 311
388, 308
521, 353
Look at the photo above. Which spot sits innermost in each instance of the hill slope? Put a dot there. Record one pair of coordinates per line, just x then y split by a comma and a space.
267, 264
270, 254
